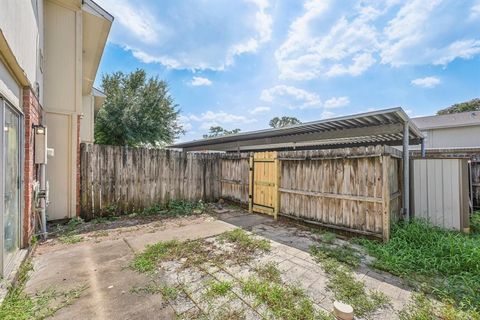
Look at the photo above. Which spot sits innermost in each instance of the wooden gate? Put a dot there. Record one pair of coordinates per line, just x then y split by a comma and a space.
264, 183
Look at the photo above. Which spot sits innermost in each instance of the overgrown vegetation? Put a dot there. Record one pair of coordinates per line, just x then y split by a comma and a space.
475, 223
175, 208
445, 263
422, 308
342, 282
18, 305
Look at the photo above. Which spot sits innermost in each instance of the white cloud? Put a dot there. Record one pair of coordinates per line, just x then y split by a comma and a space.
258, 110
423, 32
200, 81
327, 115
464, 49
220, 118
344, 48
331, 39
427, 82
191, 34
294, 98
336, 102
475, 11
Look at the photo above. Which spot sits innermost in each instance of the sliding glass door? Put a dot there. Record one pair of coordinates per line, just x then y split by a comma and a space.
11, 182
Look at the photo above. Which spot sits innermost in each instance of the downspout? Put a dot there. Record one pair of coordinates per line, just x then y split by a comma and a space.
406, 171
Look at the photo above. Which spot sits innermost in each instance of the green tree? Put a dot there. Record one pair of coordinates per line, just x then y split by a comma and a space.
472, 105
283, 122
137, 111
219, 131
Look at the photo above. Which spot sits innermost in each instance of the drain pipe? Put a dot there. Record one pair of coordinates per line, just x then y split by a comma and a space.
406, 171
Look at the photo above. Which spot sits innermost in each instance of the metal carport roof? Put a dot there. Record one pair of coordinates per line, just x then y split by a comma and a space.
370, 128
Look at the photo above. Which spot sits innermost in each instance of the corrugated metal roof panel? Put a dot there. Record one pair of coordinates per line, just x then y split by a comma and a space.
378, 126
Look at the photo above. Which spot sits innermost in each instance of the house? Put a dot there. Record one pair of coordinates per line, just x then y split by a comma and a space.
445, 185
50, 51
456, 130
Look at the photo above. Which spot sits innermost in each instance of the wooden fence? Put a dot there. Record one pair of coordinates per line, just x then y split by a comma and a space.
354, 189
124, 179
351, 189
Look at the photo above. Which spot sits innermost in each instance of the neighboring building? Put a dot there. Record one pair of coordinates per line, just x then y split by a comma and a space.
458, 130
443, 191
50, 51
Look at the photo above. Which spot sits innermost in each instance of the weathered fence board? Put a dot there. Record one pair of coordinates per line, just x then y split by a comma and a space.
354, 189
124, 179
234, 177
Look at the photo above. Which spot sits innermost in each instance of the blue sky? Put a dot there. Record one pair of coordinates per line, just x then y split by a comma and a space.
240, 63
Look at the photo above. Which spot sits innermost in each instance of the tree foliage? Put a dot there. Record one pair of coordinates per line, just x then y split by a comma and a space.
219, 131
283, 122
137, 111
472, 105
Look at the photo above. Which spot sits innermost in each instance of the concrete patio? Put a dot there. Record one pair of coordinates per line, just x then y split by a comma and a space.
101, 264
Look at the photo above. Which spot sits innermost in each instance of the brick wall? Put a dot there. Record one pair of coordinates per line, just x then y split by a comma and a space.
33, 112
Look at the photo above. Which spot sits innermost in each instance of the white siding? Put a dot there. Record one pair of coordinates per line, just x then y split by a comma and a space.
9, 88
439, 188
21, 22
86, 123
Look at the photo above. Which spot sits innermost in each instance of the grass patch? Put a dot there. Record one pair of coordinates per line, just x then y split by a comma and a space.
175, 208
20, 306
345, 253
284, 301
475, 222
329, 237
244, 241
193, 252
269, 272
345, 287
100, 233
168, 292
70, 238
218, 288
423, 308
445, 263
197, 252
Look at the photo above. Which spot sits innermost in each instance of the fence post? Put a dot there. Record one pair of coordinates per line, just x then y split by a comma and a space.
385, 198
250, 186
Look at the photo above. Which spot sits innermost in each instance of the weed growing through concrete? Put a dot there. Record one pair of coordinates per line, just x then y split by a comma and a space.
193, 253
344, 285
245, 242
218, 288
283, 301
18, 305
269, 272
197, 252
343, 253
101, 233
70, 238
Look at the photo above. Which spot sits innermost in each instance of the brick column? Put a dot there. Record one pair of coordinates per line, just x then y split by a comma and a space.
32, 112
